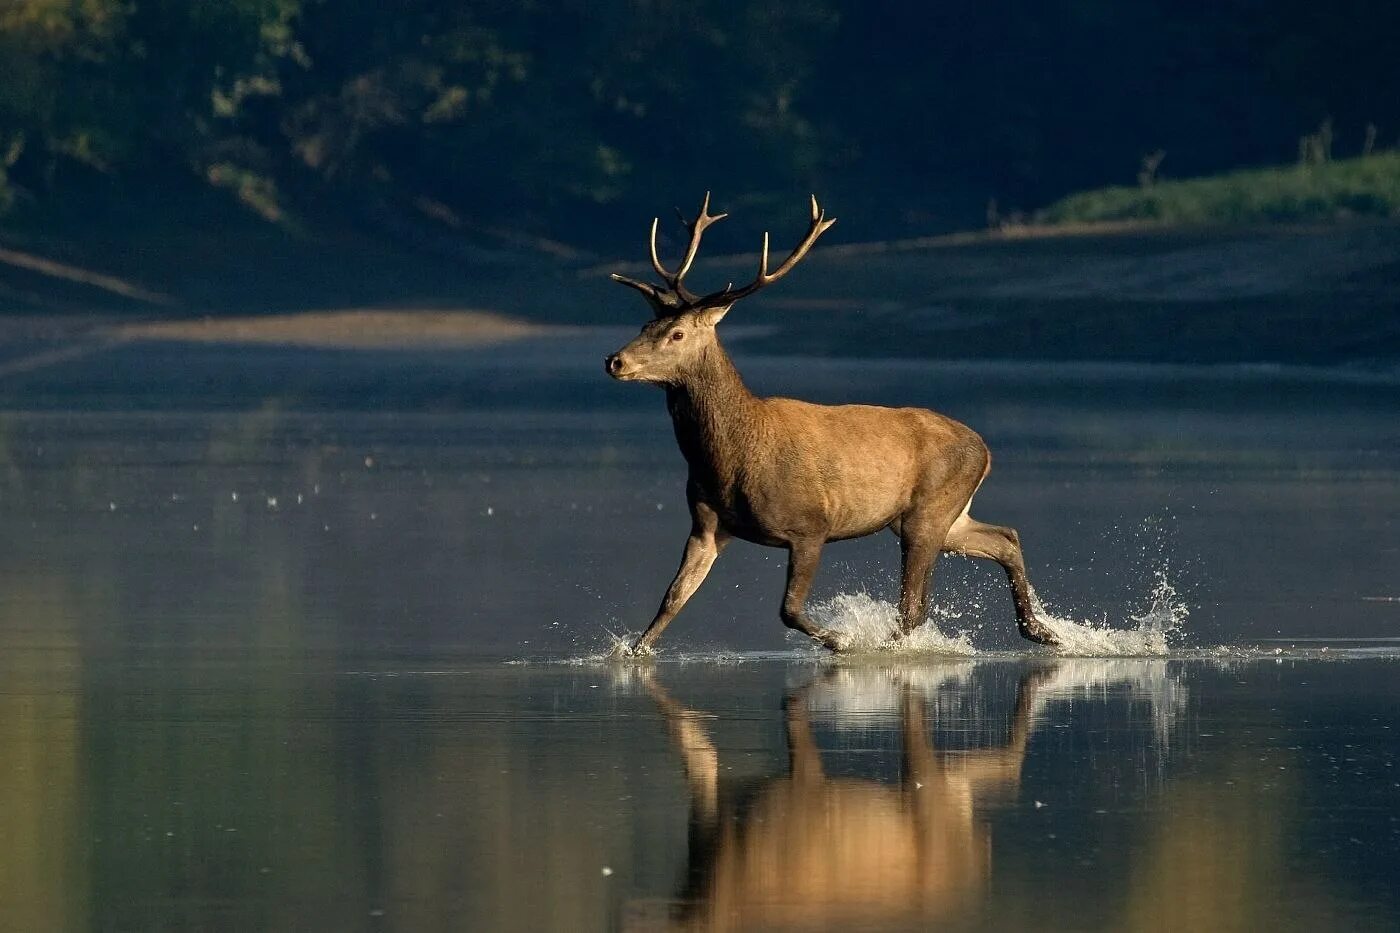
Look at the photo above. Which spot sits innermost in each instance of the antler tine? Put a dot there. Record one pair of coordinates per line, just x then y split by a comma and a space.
655, 258
674, 297
819, 225
645, 288
697, 230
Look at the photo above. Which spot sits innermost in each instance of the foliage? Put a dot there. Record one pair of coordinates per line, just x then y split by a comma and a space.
570, 115
476, 108
1362, 186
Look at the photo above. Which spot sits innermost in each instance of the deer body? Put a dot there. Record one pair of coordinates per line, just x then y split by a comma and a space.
792, 474
777, 471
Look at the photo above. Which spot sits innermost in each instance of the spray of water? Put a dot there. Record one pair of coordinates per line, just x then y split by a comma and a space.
618, 645
863, 623
1150, 632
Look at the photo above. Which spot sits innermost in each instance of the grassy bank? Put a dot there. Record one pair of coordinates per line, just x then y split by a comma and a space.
1368, 186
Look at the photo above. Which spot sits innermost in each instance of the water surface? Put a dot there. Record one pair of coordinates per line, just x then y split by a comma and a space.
290, 659
212, 791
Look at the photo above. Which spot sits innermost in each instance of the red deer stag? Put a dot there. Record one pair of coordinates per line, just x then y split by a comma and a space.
795, 475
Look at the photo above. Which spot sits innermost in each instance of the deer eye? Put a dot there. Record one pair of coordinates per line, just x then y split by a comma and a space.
677, 335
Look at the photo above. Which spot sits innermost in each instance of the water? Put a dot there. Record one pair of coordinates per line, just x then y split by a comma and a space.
270, 659
205, 791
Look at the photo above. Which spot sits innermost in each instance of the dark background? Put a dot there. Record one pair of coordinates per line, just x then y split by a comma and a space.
500, 121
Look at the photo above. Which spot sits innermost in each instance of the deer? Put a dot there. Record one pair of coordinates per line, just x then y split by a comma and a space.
807, 850
796, 475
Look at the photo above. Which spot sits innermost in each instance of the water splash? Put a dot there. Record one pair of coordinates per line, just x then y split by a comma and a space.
618, 646
863, 623
1151, 632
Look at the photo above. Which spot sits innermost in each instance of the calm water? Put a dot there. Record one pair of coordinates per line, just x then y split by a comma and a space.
276, 664
232, 790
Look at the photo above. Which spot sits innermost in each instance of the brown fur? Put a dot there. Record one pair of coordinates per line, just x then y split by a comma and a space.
792, 474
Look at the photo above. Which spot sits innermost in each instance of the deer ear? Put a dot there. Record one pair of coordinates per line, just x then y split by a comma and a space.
712, 316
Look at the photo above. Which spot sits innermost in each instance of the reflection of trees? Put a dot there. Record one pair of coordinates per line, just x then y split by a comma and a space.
43, 856
1218, 855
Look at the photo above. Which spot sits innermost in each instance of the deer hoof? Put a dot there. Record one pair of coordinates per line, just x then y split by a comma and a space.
622, 651
1038, 632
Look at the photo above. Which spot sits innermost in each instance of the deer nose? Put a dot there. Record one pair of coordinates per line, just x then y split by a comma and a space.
613, 364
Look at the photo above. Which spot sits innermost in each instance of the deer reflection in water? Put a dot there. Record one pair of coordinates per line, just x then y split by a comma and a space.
810, 850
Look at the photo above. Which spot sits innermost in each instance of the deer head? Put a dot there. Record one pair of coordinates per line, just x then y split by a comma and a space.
672, 345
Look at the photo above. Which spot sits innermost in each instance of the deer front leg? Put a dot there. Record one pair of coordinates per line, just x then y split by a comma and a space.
803, 558
701, 548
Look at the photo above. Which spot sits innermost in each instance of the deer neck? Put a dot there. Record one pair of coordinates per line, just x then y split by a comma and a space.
715, 416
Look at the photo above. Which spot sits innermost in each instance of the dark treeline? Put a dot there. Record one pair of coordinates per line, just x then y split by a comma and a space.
572, 119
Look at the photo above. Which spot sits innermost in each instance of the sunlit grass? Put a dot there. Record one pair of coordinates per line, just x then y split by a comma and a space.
1368, 186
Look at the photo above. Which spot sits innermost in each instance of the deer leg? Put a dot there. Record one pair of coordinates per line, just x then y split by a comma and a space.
701, 548
803, 557
993, 542
919, 550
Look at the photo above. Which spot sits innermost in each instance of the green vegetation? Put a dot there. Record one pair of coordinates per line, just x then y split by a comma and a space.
434, 123
453, 115
1367, 186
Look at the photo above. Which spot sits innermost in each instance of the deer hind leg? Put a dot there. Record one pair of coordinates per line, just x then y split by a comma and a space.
921, 536
803, 558
1003, 545
919, 552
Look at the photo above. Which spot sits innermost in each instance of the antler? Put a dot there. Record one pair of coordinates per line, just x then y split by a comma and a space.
675, 298
819, 225
697, 230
